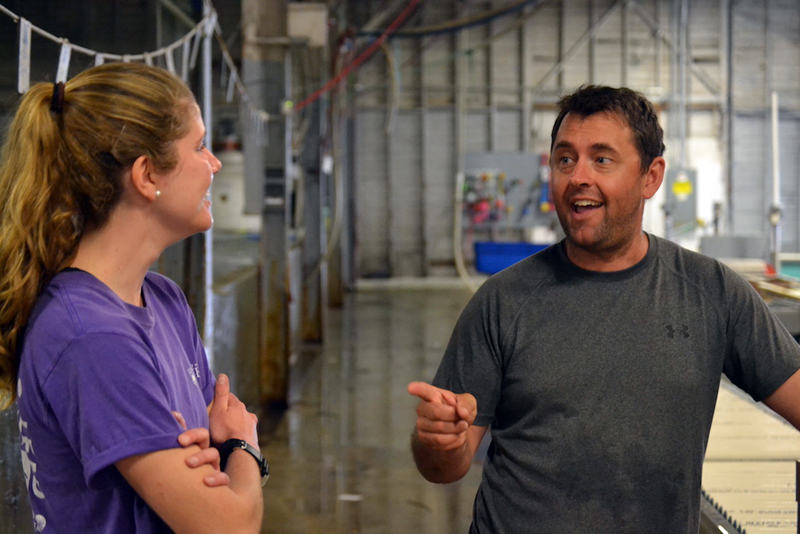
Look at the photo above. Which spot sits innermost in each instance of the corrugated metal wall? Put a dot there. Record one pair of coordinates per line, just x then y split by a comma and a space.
766, 58
509, 73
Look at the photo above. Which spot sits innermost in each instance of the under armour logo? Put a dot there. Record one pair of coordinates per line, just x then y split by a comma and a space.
683, 330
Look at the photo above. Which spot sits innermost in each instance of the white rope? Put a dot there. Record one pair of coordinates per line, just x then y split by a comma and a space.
189, 46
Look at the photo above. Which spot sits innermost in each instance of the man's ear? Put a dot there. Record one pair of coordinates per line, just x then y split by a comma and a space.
654, 177
144, 177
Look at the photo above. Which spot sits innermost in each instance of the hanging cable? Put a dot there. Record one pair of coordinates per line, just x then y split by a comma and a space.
412, 5
458, 25
516, 25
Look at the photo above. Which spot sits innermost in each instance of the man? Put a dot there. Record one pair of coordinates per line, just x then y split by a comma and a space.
597, 361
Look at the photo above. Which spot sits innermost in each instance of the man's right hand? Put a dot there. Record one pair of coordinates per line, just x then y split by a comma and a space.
443, 417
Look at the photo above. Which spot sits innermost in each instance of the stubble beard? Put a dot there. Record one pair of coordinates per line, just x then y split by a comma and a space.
604, 238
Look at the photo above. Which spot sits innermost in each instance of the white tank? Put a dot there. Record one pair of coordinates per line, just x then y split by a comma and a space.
227, 195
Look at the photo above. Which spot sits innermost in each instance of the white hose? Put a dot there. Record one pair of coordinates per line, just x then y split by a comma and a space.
457, 222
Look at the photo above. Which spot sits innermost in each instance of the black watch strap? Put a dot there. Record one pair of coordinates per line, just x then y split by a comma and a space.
231, 445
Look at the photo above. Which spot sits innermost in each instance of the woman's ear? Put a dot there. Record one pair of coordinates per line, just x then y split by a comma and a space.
144, 178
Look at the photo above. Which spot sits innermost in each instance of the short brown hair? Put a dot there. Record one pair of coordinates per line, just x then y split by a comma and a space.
630, 106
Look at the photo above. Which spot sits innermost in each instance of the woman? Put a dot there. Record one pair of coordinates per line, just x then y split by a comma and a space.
98, 177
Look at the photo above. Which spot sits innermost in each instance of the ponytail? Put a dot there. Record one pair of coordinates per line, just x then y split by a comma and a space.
63, 161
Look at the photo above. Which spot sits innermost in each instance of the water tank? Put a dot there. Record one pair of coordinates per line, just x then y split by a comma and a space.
227, 196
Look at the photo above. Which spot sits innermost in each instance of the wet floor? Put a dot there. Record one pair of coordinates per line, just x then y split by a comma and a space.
340, 459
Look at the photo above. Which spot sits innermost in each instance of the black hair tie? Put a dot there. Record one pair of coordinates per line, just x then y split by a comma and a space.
57, 103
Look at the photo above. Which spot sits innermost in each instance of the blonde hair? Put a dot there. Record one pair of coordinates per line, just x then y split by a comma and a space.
61, 174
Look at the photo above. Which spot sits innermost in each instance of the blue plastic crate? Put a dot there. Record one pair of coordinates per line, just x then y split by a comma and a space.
491, 257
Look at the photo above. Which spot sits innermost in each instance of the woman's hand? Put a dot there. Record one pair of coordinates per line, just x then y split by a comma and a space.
208, 454
228, 417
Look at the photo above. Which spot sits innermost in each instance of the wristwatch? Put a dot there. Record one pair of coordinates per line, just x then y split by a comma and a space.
231, 445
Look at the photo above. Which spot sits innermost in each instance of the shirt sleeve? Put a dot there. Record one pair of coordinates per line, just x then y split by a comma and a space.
472, 360
109, 397
763, 354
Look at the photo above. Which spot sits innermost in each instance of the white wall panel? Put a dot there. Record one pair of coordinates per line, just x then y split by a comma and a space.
509, 132
476, 67
406, 196
371, 191
373, 77
544, 44
642, 69
439, 186
784, 42
790, 184
749, 56
575, 24
608, 38
437, 60
704, 39
505, 54
407, 72
476, 132
750, 168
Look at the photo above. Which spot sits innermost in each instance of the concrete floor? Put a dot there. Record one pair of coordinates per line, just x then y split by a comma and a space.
340, 459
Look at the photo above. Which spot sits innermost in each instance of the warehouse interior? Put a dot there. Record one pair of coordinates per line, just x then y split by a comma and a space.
382, 158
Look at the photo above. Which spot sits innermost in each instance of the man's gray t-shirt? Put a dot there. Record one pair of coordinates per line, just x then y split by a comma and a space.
600, 387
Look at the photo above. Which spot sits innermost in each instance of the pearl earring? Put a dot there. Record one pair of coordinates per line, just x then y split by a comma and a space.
158, 193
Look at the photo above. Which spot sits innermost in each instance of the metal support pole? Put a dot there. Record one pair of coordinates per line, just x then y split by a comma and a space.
491, 92
775, 208
424, 140
459, 127
309, 157
264, 75
342, 252
340, 246
392, 252
726, 103
626, 42
208, 319
659, 48
797, 490
592, 43
525, 73
683, 60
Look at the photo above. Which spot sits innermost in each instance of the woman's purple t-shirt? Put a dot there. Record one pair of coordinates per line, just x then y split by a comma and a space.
98, 382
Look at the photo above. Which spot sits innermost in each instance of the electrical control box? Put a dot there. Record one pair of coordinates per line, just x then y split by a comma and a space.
506, 191
681, 203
